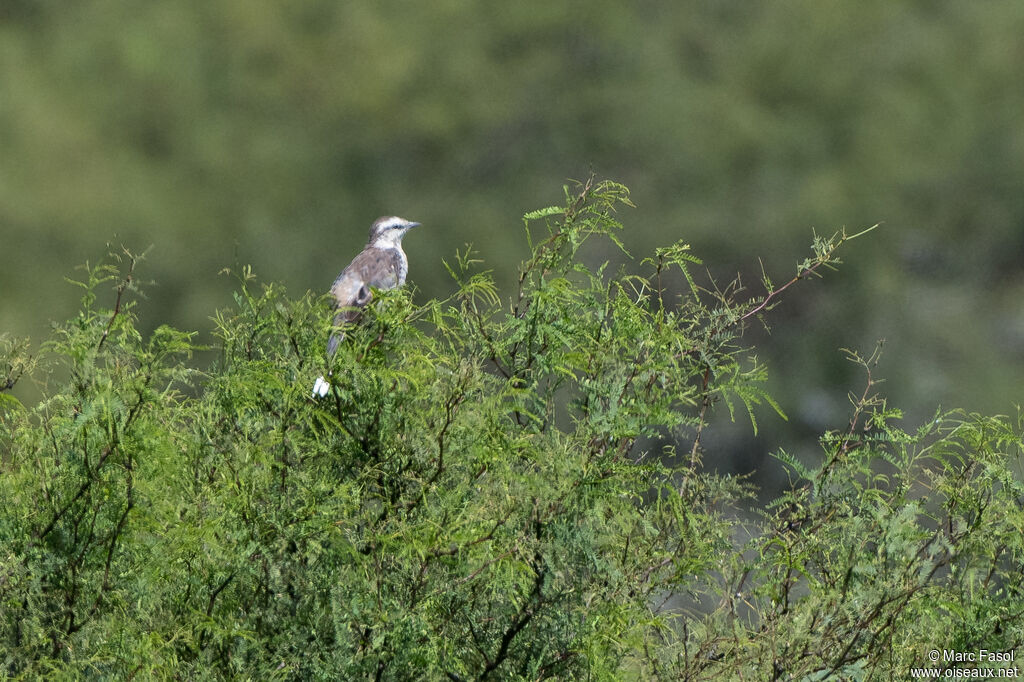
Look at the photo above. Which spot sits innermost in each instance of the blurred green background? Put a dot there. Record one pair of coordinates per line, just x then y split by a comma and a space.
227, 131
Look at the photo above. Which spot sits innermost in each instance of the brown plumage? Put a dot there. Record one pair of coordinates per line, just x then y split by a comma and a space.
380, 265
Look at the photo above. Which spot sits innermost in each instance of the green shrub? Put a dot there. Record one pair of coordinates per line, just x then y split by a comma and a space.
491, 490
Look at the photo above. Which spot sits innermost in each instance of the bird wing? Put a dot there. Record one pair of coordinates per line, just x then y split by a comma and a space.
373, 267
379, 268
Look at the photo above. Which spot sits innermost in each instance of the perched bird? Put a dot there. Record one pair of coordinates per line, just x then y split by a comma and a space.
380, 265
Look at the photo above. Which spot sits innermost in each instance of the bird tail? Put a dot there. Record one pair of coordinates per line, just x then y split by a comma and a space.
323, 385
346, 315
334, 342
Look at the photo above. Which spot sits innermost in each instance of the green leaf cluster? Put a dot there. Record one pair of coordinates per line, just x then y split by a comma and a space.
495, 487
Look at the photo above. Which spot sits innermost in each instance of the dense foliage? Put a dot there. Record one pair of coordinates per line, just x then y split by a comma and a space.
490, 491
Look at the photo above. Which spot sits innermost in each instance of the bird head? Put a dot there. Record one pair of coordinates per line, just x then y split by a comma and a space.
388, 231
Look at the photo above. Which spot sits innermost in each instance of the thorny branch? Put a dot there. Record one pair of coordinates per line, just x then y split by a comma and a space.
124, 284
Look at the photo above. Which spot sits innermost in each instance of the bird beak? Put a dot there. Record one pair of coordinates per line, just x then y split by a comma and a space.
411, 225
